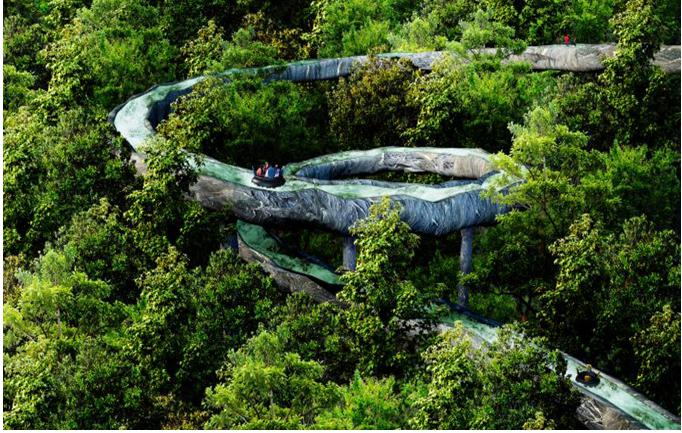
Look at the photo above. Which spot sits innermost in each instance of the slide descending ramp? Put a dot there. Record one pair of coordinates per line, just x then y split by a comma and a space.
314, 194
610, 392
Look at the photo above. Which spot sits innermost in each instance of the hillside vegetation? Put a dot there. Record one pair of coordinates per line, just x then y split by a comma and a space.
121, 309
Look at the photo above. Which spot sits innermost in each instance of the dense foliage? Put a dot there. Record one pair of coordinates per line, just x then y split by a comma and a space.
247, 120
511, 384
644, 267
371, 108
124, 308
387, 313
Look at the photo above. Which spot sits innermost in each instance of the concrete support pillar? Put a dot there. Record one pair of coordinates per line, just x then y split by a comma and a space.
465, 252
349, 252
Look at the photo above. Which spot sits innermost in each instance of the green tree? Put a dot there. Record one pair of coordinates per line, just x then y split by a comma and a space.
504, 385
210, 52
421, 33
633, 88
317, 332
563, 180
100, 243
346, 28
641, 182
161, 329
54, 171
28, 27
617, 282
369, 404
657, 351
577, 100
459, 26
22, 171
669, 14
587, 21
247, 119
454, 380
641, 179
482, 31
553, 159
286, 36
11, 288
370, 108
245, 51
109, 51
231, 299
182, 19
521, 378
514, 257
474, 102
23, 35
433, 26
17, 87
203, 53
135, 366
387, 315
62, 365
264, 387
161, 213
540, 22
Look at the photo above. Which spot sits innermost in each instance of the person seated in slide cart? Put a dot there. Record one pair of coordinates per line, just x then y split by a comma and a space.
268, 176
587, 376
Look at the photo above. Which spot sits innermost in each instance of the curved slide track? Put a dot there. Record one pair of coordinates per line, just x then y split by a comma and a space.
315, 195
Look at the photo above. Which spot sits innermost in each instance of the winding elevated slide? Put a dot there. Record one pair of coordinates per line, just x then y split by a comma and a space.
319, 193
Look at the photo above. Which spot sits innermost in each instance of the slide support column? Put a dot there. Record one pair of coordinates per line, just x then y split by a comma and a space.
349, 253
465, 251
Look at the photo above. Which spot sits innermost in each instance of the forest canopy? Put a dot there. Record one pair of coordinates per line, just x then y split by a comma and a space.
125, 307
